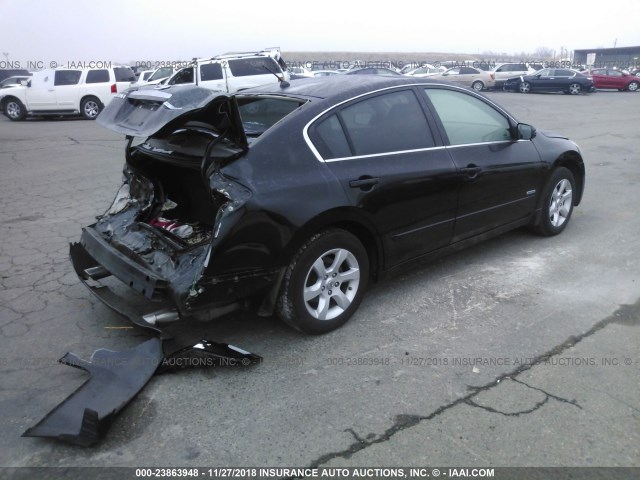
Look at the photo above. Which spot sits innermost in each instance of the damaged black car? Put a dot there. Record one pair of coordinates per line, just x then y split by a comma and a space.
290, 199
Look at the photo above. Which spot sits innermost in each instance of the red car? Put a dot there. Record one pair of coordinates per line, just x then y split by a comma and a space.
610, 78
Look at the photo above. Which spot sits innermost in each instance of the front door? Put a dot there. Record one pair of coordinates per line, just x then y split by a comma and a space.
499, 175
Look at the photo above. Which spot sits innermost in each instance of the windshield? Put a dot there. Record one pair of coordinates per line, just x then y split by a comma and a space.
161, 73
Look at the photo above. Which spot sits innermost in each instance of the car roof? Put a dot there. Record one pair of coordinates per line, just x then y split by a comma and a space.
337, 85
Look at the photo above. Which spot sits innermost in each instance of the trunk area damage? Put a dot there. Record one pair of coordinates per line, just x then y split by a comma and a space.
172, 210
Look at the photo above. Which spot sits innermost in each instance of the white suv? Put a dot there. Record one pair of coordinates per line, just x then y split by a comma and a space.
66, 92
232, 72
504, 71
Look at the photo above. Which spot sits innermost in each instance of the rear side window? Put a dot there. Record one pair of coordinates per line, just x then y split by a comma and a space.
386, 123
67, 77
468, 120
245, 67
210, 71
124, 74
97, 76
331, 140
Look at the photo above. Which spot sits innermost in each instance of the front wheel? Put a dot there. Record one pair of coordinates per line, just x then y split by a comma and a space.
633, 86
557, 203
478, 86
324, 283
14, 109
90, 108
524, 87
575, 89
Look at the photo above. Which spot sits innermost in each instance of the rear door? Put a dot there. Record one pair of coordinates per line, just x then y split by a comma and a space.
499, 176
212, 77
563, 78
98, 83
382, 149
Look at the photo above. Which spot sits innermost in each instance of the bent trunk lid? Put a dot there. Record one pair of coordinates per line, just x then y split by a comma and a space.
155, 112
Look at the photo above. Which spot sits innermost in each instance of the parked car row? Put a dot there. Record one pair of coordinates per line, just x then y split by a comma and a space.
87, 92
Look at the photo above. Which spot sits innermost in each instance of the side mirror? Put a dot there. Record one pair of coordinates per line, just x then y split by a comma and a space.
25, 83
538, 76
526, 132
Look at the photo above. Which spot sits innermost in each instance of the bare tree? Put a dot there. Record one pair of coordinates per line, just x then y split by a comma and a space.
544, 52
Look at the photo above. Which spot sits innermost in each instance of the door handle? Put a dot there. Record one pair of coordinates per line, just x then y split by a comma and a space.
471, 171
364, 183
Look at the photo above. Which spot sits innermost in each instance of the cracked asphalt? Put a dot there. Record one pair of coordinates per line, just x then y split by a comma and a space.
522, 351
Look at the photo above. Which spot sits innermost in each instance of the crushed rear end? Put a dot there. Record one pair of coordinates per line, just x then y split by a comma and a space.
173, 208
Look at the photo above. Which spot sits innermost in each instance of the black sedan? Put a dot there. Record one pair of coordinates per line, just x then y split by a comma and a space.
551, 80
291, 199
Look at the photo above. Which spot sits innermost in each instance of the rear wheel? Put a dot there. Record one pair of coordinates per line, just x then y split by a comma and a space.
478, 86
324, 283
575, 89
633, 86
524, 87
90, 108
557, 203
14, 109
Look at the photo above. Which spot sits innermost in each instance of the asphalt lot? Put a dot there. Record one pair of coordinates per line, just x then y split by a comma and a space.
551, 325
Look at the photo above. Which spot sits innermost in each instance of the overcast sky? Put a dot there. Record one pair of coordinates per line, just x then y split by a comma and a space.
126, 31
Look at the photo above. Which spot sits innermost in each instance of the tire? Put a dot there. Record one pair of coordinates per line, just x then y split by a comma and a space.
524, 87
333, 268
90, 108
575, 89
633, 86
557, 203
478, 86
14, 109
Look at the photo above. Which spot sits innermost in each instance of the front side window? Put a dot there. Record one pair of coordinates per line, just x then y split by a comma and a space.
467, 119
67, 77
